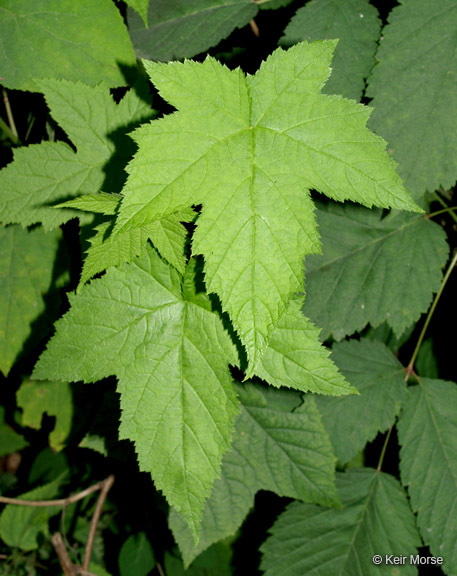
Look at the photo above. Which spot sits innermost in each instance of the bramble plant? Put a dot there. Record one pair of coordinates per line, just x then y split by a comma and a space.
225, 227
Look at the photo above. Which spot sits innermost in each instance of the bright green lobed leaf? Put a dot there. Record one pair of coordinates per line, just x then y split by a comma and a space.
52, 398
10, 441
21, 525
274, 448
42, 175
27, 260
372, 269
427, 431
357, 26
379, 377
136, 557
184, 28
170, 352
375, 519
141, 7
248, 149
414, 91
82, 40
295, 358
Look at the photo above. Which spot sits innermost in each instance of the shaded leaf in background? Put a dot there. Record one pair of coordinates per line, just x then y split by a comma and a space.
143, 324
274, 448
136, 557
141, 7
375, 519
357, 26
427, 431
426, 363
21, 525
248, 149
414, 91
10, 441
52, 398
272, 4
27, 260
214, 560
70, 41
42, 175
295, 358
372, 269
184, 28
376, 373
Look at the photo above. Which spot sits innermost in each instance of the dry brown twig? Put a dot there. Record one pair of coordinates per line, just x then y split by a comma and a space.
70, 569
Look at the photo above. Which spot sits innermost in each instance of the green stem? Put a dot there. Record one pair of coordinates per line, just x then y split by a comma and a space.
384, 448
410, 366
7, 130
10, 116
446, 208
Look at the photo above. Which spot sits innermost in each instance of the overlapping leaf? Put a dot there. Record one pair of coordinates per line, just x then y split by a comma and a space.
248, 149
27, 260
274, 448
52, 398
379, 377
414, 91
294, 357
42, 175
167, 234
427, 431
355, 23
170, 354
186, 27
59, 39
10, 441
375, 519
372, 270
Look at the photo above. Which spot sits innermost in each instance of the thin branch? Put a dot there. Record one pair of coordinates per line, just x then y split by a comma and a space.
444, 204
448, 209
95, 518
67, 566
60, 502
160, 569
384, 448
410, 366
254, 28
7, 130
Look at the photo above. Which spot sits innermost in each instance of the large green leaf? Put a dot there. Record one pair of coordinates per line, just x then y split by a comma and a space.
414, 91
375, 519
294, 357
248, 148
42, 175
179, 28
274, 448
82, 40
21, 525
355, 23
52, 398
141, 323
427, 432
27, 260
379, 377
372, 269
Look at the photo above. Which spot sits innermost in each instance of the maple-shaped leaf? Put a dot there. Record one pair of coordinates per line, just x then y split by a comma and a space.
142, 323
168, 235
249, 148
377, 374
280, 445
42, 175
295, 358
372, 269
427, 431
375, 519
